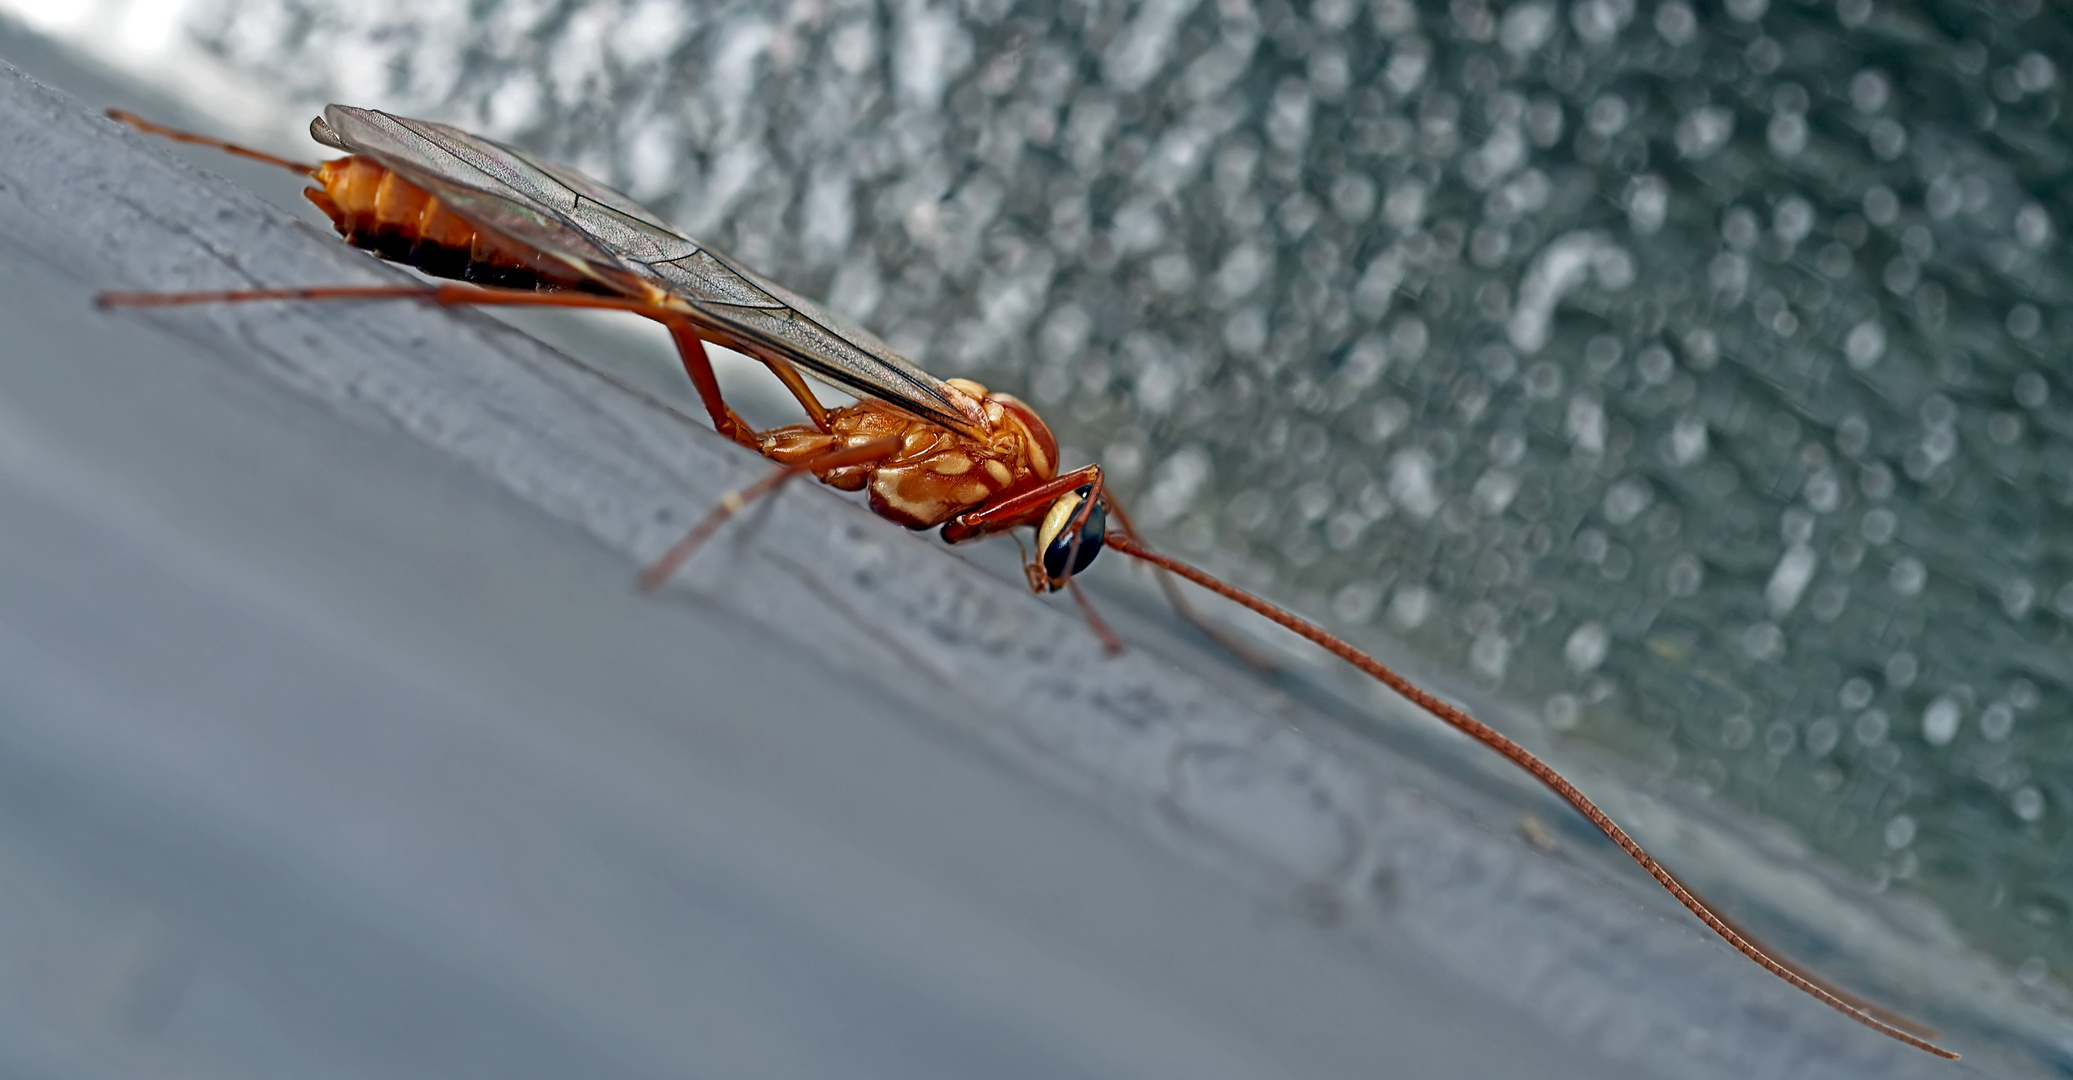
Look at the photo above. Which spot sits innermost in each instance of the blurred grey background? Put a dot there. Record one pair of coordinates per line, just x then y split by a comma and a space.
1680, 380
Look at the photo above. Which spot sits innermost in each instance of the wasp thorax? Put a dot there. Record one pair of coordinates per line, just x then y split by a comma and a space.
1064, 546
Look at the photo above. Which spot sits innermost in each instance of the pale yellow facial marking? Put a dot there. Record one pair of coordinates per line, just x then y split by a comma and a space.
999, 472
951, 464
1056, 519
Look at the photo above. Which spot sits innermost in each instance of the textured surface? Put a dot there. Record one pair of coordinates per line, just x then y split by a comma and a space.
336, 742
1687, 374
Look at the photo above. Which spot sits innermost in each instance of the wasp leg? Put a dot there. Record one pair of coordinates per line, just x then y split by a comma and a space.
699, 366
1110, 643
661, 570
796, 383
690, 346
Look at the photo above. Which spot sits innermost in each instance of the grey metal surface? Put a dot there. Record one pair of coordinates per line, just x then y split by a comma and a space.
1680, 373
333, 741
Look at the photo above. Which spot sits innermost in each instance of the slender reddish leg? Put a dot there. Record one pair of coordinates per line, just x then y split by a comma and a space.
1024, 507
796, 383
1110, 642
659, 572
1028, 506
690, 346
699, 366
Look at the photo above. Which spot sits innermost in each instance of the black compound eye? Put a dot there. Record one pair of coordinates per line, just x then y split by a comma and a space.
1060, 547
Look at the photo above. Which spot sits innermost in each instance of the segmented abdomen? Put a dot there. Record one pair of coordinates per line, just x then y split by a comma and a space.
375, 209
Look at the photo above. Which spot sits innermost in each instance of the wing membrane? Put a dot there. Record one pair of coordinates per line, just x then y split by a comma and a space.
608, 236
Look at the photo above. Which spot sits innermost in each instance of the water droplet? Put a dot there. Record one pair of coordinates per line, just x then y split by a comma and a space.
2032, 226
2031, 391
1763, 641
1901, 669
1626, 499
1940, 722
2024, 321
2035, 73
1997, 722
1676, 22
1865, 344
2017, 597
1410, 606
1793, 219
1703, 131
1822, 736
1586, 648
1881, 205
1878, 527
1489, 654
1356, 603
1869, 91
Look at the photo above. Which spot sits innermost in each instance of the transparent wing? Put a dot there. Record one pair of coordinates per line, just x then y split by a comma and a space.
608, 236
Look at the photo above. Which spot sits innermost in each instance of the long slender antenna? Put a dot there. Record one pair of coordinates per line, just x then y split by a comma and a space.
1541, 770
132, 119
1251, 655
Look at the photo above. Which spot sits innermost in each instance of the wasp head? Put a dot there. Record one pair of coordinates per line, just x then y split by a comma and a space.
1063, 550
